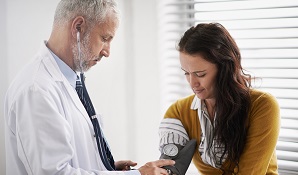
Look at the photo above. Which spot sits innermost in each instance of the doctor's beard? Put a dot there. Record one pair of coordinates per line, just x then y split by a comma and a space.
81, 61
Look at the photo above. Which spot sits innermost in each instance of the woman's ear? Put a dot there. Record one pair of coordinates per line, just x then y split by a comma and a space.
78, 25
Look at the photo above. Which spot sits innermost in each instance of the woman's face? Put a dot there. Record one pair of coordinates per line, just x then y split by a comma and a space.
200, 74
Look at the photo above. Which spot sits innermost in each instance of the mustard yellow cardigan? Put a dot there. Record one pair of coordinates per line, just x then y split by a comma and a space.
259, 156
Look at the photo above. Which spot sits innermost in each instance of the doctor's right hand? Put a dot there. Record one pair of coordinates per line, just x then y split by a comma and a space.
154, 168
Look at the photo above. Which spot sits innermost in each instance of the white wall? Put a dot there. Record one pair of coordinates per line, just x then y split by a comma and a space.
3, 78
127, 85
124, 87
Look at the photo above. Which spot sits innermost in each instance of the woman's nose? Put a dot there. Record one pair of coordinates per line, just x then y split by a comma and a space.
193, 80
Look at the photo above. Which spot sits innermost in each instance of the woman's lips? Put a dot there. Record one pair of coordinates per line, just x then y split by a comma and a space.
198, 91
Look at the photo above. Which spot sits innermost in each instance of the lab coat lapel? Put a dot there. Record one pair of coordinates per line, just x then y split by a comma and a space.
55, 72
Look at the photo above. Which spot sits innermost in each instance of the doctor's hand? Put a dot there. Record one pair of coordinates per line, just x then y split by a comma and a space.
154, 168
124, 165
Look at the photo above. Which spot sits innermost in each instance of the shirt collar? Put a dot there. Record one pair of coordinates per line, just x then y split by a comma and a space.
196, 104
69, 74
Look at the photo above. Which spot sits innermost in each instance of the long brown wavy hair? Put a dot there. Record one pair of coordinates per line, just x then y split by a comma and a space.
217, 46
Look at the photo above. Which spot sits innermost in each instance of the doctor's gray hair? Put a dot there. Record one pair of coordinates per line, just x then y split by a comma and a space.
94, 11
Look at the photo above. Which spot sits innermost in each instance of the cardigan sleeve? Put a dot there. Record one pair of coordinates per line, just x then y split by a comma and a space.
262, 136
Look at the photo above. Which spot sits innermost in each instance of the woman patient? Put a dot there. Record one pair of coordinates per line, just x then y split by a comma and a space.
236, 127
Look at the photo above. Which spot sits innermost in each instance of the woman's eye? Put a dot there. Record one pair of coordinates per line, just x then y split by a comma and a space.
200, 75
197, 74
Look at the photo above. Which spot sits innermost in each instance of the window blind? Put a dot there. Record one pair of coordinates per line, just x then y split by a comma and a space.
267, 35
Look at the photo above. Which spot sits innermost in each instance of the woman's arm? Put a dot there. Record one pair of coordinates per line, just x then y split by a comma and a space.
262, 136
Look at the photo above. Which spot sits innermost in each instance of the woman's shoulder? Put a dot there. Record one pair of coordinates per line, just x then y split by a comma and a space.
187, 100
182, 103
257, 95
261, 100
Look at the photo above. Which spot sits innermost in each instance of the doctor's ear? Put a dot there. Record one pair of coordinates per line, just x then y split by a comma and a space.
78, 26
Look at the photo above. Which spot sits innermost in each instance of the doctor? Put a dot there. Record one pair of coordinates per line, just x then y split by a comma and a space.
48, 129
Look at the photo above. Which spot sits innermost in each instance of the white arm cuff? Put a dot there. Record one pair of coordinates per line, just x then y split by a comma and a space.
172, 131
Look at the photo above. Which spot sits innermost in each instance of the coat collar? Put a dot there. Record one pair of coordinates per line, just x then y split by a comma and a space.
69, 74
51, 65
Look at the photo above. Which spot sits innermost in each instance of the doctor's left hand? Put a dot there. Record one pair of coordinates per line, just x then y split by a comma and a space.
124, 165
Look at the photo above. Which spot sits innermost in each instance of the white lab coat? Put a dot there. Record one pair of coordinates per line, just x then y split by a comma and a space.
47, 129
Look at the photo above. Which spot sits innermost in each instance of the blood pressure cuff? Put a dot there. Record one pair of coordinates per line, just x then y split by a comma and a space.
182, 155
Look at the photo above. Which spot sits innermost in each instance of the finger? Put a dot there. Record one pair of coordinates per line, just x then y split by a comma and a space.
131, 163
163, 171
164, 162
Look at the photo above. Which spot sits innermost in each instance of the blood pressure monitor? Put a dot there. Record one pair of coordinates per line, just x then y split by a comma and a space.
170, 150
182, 156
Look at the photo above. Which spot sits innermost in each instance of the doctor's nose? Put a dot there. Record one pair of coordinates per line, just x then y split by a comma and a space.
106, 50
